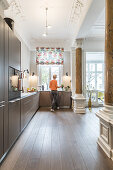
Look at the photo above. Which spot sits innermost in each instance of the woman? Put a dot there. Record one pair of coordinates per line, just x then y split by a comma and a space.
54, 94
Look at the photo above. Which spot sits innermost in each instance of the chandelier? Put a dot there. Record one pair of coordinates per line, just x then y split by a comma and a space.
46, 24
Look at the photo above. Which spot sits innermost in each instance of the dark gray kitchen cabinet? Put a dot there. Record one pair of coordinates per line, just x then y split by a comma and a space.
6, 31
14, 120
29, 105
64, 99
26, 109
1, 129
2, 61
2, 65
36, 102
14, 51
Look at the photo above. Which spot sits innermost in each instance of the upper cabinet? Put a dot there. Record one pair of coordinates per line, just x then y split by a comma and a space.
2, 61
2, 64
14, 51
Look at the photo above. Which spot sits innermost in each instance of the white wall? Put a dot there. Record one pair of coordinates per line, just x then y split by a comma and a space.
33, 66
94, 45
67, 64
67, 69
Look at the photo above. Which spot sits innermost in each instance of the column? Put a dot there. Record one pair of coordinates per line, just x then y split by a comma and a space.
105, 115
79, 100
109, 54
78, 71
73, 70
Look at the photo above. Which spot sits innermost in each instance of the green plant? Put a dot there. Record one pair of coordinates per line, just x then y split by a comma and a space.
67, 88
62, 86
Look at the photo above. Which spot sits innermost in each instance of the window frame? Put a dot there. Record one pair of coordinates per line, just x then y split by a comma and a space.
96, 72
50, 68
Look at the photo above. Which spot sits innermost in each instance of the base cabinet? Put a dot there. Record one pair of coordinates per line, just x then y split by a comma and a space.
14, 121
20, 112
64, 99
1, 130
29, 106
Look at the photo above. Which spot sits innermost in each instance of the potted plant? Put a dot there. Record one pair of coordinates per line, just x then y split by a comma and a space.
62, 86
67, 88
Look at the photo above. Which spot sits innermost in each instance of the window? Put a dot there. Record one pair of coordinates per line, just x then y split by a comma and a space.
50, 56
46, 73
95, 71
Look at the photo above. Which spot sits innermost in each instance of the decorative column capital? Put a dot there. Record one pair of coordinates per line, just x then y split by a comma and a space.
4, 4
72, 49
79, 43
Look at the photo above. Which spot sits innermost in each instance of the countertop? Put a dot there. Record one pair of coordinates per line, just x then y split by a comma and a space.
50, 90
23, 95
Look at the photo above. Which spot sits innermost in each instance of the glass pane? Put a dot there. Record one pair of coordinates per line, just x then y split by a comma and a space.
99, 81
91, 67
55, 70
91, 80
93, 96
99, 67
86, 67
87, 78
45, 77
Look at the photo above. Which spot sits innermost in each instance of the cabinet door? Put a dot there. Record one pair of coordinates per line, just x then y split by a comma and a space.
2, 65
14, 121
26, 111
1, 130
2, 61
6, 91
14, 51
36, 102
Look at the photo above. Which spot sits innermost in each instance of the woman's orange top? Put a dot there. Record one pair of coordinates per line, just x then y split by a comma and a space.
53, 85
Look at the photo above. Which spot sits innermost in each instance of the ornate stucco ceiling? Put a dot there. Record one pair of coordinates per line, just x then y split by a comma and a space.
65, 16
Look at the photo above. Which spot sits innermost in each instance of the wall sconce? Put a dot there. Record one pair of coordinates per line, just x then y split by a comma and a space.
66, 73
26, 71
33, 74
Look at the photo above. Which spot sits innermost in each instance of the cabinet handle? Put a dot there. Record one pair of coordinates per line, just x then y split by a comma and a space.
2, 102
13, 101
2, 106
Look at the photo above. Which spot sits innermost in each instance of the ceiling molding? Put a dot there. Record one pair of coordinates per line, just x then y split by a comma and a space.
4, 4
94, 38
95, 10
15, 9
76, 10
66, 17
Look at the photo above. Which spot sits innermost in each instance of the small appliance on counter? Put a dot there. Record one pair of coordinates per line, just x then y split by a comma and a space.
15, 83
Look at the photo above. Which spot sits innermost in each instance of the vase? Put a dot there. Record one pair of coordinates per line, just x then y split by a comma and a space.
89, 103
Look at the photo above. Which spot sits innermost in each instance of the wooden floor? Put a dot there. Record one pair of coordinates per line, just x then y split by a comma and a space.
59, 141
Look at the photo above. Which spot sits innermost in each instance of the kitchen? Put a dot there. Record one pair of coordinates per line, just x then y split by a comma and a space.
67, 124
19, 98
